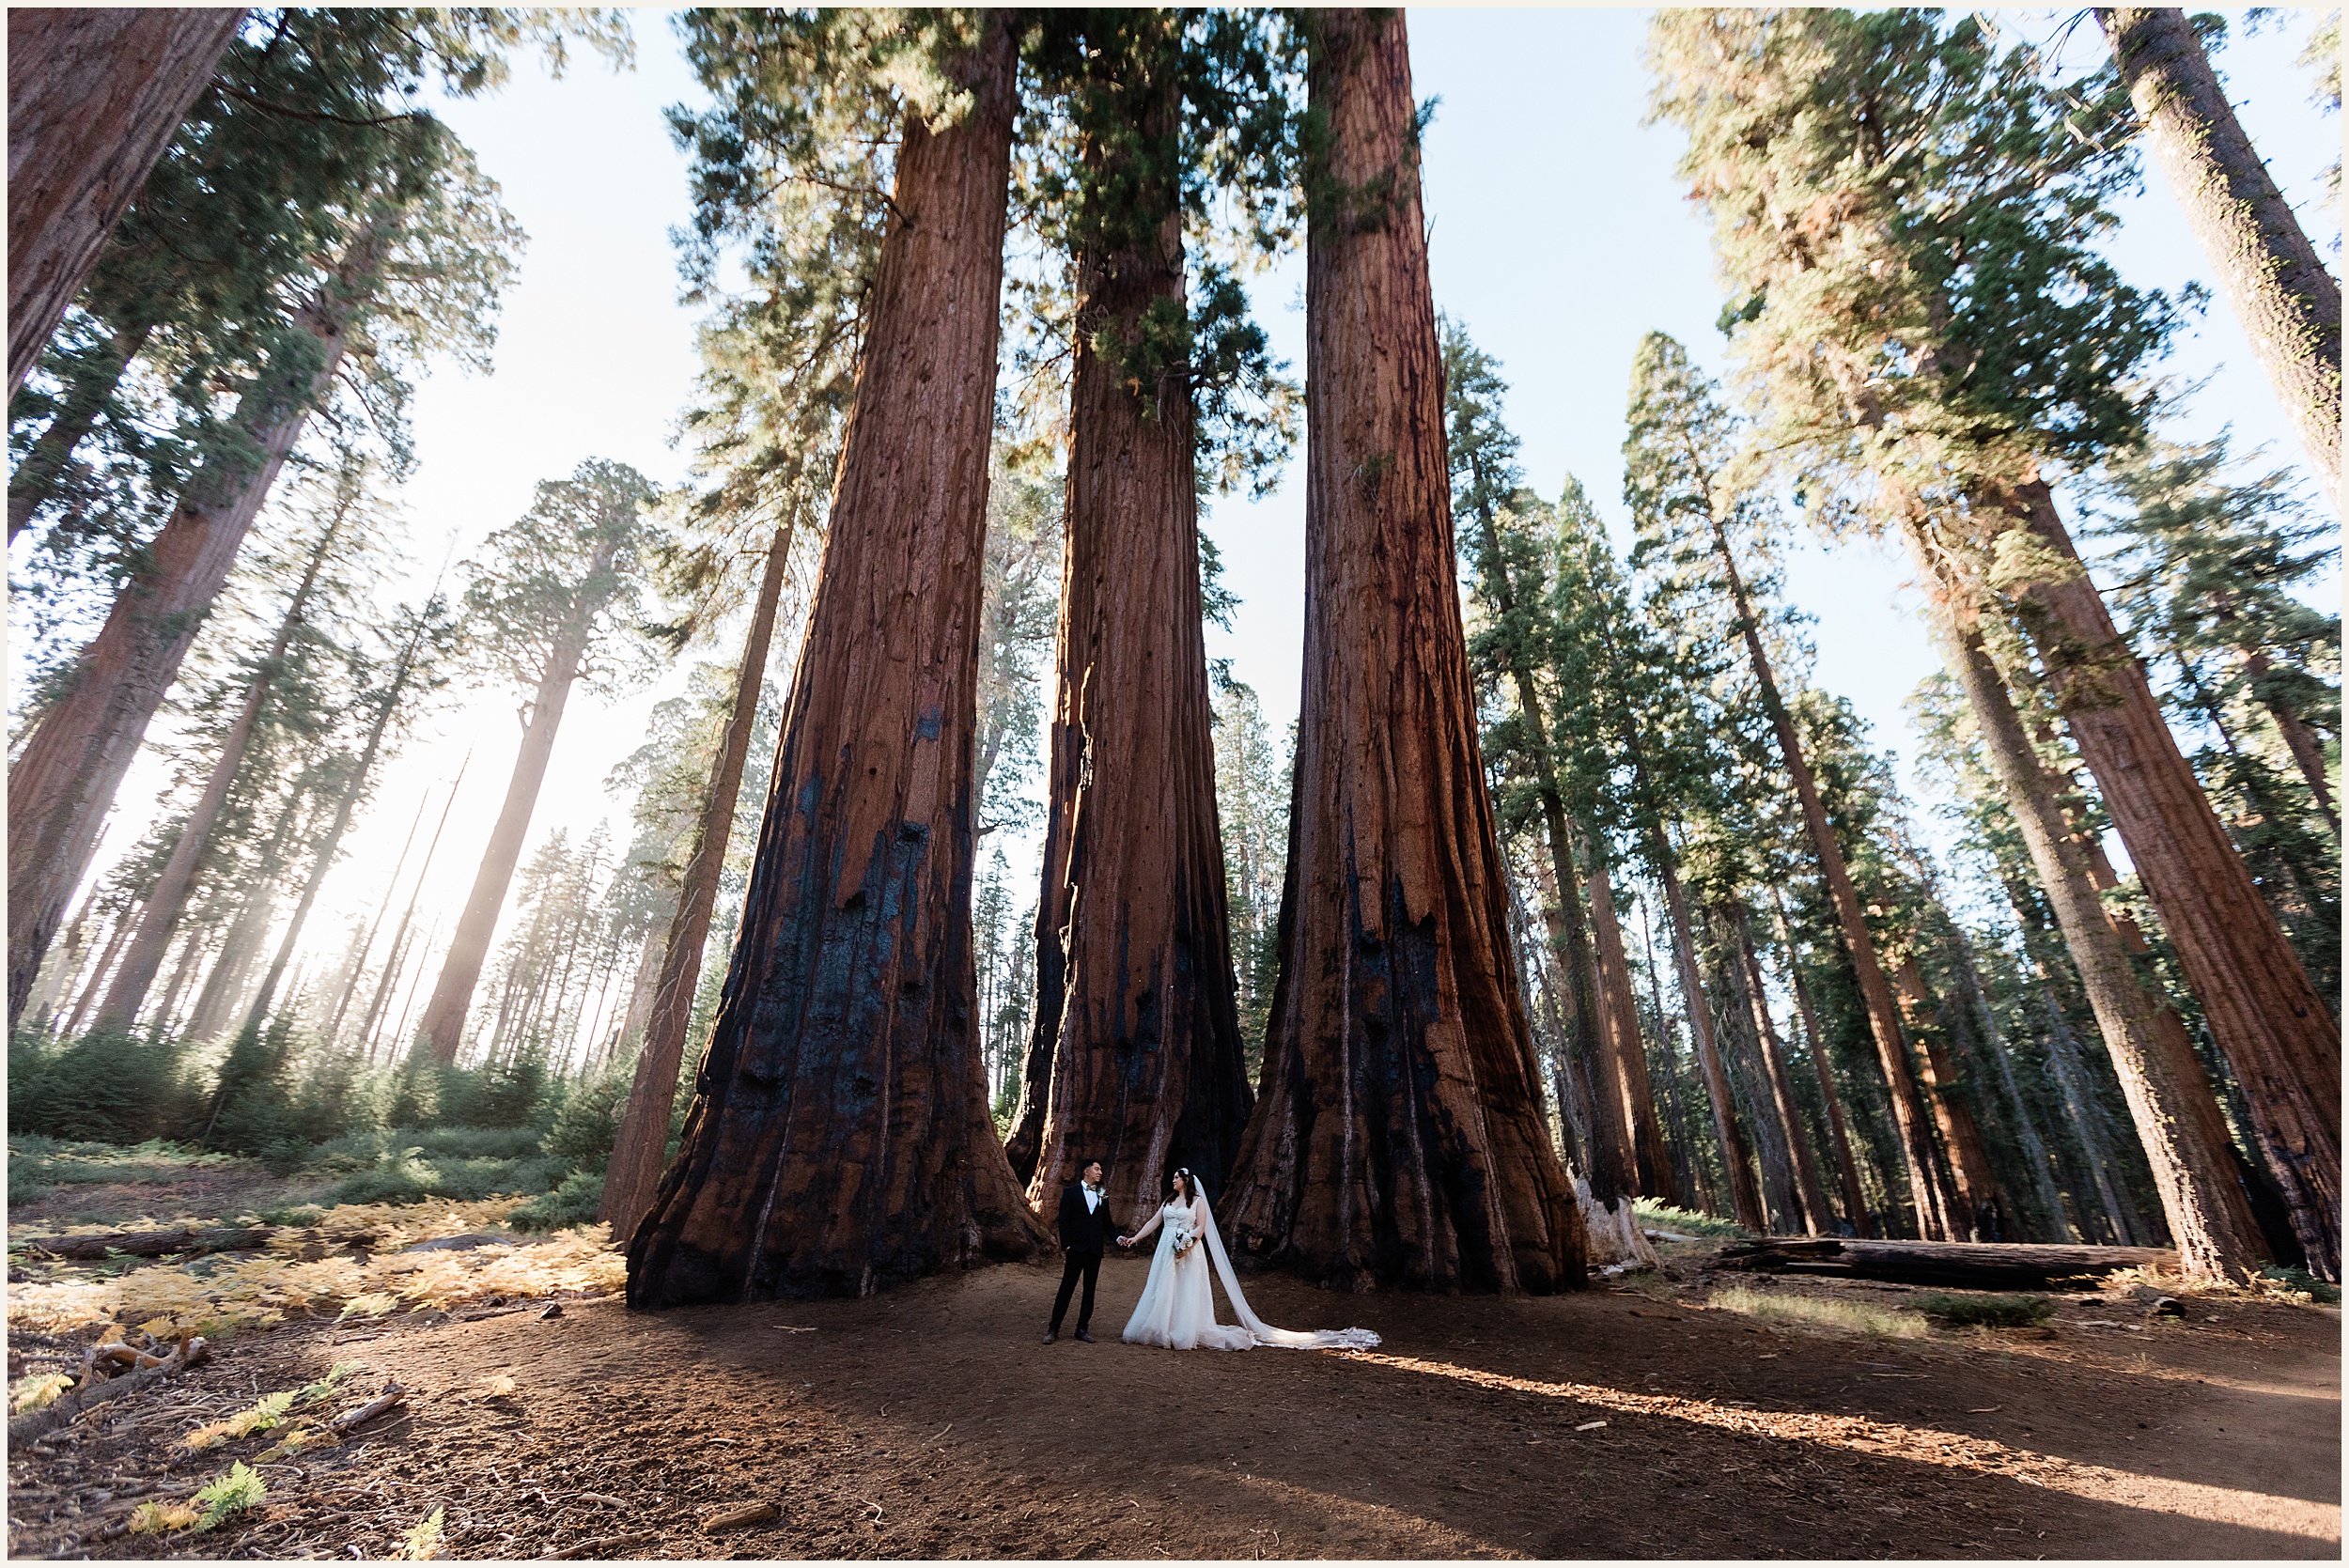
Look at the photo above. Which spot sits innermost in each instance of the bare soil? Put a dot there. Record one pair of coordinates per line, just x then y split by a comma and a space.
933, 1422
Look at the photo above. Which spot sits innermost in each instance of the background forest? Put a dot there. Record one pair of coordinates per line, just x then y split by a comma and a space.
410, 849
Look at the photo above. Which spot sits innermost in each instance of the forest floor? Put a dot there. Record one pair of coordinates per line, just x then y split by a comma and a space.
1633, 1419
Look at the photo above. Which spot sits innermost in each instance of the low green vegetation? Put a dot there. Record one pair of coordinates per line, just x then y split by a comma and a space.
2302, 1281
1812, 1311
1663, 1217
1988, 1312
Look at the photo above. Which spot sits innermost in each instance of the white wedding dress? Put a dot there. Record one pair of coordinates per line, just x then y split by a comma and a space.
1177, 1305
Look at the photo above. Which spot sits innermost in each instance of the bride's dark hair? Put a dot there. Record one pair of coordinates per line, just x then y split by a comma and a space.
1190, 1182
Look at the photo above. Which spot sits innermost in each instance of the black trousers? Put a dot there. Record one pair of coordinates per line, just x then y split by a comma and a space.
1088, 1266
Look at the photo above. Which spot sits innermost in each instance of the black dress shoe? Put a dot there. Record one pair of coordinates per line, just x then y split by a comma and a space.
1051, 1334
1085, 1336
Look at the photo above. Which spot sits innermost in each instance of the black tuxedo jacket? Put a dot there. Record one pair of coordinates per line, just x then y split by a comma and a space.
1081, 1231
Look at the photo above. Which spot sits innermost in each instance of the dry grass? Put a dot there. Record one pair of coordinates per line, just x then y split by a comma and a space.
1812, 1311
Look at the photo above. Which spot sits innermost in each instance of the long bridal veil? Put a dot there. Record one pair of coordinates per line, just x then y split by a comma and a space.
1263, 1332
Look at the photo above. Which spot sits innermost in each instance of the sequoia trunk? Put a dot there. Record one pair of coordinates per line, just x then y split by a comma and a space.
840, 1138
1621, 1007
1846, 1168
1978, 1211
2169, 1097
1399, 1133
2276, 1034
1136, 1042
95, 95
1818, 1217
1745, 1196
644, 1133
64, 777
2271, 275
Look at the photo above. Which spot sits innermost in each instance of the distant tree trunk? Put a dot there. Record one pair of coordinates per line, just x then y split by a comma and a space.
1978, 1210
1993, 1045
2170, 1098
95, 95
2064, 1065
64, 777
375, 927
1397, 1025
2275, 1033
115, 940
1818, 1217
2266, 269
1689, 1172
322, 862
1135, 1021
1846, 1167
35, 480
1773, 1140
1935, 1220
169, 898
2308, 753
1745, 1196
1652, 1158
644, 1135
442, 1025
840, 1136
240, 944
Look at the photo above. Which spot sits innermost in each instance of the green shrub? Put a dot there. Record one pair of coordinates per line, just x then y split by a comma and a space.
587, 1122
2297, 1278
1988, 1312
111, 1086
574, 1203
1663, 1217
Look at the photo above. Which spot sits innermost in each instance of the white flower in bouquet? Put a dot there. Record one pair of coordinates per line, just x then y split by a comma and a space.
1185, 1237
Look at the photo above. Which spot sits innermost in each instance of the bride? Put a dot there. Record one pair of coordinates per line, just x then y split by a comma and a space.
1177, 1307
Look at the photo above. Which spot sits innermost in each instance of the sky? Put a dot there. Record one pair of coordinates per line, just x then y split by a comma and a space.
1559, 237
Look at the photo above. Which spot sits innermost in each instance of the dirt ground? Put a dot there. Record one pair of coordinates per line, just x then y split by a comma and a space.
933, 1422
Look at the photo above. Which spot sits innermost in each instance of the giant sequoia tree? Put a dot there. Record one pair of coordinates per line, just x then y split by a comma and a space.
94, 97
839, 1137
1905, 211
2269, 271
1399, 1133
1135, 1054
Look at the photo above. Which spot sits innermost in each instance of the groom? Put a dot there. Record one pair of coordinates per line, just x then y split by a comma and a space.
1083, 1235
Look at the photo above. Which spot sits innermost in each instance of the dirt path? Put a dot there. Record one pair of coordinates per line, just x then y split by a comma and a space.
931, 1422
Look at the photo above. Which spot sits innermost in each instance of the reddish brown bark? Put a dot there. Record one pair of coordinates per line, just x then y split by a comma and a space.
1399, 1134
643, 1134
169, 898
442, 1025
1936, 1217
95, 95
2308, 753
64, 777
2267, 270
1979, 1211
1135, 1057
840, 1139
1846, 1167
1818, 1217
1745, 1193
1652, 1158
2169, 1097
2278, 1035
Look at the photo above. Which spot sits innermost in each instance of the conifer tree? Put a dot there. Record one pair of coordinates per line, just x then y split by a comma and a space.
94, 97
549, 606
1927, 330
1398, 1024
839, 1137
2268, 272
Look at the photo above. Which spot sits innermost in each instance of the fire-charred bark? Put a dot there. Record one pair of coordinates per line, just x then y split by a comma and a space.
840, 1139
1399, 1134
95, 95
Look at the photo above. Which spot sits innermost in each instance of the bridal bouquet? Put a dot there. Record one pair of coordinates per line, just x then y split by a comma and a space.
1185, 1237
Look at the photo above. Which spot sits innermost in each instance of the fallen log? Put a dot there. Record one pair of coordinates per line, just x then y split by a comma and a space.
98, 1246
1954, 1264
391, 1397
57, 1413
